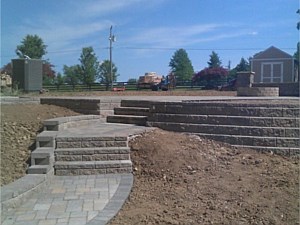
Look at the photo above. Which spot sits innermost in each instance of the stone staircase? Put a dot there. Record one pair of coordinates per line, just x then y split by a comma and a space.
78, 154
42, 158
92, 155
260, 126
131, 112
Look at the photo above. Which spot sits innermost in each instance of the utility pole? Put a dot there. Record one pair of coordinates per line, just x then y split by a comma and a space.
111, 40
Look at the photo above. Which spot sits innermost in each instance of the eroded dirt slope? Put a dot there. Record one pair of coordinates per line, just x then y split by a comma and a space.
20, 123
181, 179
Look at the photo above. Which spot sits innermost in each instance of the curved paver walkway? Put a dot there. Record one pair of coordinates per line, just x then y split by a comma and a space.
78, 200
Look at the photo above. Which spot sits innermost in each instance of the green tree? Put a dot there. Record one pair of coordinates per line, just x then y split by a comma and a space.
32, 46
243, 65
181, 65
214, 60
59, 80
89, 67
104, 73
71, 74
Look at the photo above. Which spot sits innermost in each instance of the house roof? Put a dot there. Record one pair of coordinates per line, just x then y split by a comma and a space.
272, 52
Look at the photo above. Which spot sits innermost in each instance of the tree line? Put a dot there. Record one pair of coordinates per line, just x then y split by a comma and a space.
89, 69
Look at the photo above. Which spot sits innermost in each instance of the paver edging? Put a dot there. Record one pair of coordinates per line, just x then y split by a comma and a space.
15, 193
116, 202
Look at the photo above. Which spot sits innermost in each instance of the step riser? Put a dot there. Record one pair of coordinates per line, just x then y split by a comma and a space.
230, 111
248, 140
76, 172
94, 157
127, 111
91, 142
92, 167
226, 120
278, 151
254, 141
127, 120
135, 103
229, 130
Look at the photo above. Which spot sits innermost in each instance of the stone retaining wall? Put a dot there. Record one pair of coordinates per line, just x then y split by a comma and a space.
84, 105
285, 89
258, 91
259, 124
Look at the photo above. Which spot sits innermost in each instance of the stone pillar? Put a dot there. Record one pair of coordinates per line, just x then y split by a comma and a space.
245, 79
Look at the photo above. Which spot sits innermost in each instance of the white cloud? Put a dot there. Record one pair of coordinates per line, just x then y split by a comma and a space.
171, 36
175, 37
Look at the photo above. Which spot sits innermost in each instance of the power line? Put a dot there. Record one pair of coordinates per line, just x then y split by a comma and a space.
162, 49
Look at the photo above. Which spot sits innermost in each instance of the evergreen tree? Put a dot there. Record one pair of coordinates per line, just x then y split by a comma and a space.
243, 65
181, 65
32, 46
214, 61
89, 67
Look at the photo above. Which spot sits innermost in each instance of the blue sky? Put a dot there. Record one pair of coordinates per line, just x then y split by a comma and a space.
148, 32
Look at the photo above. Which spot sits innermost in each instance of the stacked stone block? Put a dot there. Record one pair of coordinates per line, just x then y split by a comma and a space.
92, 155
131, 112
260, 126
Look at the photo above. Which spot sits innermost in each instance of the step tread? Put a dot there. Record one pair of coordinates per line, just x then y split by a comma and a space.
93, 162
235, 135
39, 169
229, 125
265, 147
133, 108
230, 116
126, 116
90, 151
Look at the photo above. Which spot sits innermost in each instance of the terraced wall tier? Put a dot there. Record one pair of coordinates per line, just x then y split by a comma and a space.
270, 125
84, 105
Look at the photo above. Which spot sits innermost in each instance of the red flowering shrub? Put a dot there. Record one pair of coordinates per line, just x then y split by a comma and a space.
210, 77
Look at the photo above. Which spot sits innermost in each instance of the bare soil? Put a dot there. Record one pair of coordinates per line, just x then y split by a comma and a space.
179, 179
20, 123
182, 179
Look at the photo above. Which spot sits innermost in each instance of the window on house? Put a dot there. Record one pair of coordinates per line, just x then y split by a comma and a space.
272, 72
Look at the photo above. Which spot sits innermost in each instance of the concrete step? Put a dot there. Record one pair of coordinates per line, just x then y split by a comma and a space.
39, 169
136, 111
137, 120
60, 123
227, 120
136, 103
42, 156
229, 129
46, 139
64, 168
92, 154
91, 142
285, 151
254, 140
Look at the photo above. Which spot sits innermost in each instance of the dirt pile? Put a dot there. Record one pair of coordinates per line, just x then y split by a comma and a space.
20, 123
181, 179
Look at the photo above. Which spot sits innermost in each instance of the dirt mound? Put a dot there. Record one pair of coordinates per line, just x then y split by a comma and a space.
179, 179
20, 123
182, 179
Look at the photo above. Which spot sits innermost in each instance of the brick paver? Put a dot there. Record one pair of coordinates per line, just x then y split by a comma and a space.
70, 200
